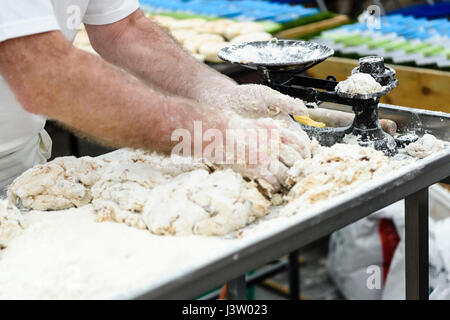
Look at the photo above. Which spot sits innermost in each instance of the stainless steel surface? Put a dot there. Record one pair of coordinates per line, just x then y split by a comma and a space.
319, 223
275, 53
416, 245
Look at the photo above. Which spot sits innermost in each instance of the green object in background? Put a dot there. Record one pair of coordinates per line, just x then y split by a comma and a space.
378, 43
396, 45
416, 47
430, 50
302, 21
269, 26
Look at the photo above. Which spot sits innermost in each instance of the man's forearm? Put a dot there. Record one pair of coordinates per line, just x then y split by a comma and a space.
50, 77
144, 49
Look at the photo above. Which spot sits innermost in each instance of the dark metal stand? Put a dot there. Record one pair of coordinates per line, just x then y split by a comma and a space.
237, 289
416, 245
294, 276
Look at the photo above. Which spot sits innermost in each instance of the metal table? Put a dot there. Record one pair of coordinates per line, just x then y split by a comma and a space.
411, 186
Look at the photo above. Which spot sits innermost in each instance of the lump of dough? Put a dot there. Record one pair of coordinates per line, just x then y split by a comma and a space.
217, 26
11, 223
359, 83
236, 29
199, 57
334, 170
163, 21
253, 36
210, 50
193, 44
172, 165
122, 192
123, 189
183, 35
194, 24
60, 184
110, 211
201, 203
82, 41
424, 146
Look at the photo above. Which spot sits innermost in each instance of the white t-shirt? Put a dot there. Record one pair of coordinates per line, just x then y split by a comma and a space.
26, 17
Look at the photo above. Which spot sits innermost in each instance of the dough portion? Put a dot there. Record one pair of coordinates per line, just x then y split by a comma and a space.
122, 192
253, 36
334, 170
239, 28
210, 50
424, 146
359, 83
11, 223
120, 195
194, 43
172, 165
60, 184
201, 203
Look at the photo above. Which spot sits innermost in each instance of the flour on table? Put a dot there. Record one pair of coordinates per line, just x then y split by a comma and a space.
204, 204
67, 255
60, 184
425, 146
359, 83
334, 170
11, 223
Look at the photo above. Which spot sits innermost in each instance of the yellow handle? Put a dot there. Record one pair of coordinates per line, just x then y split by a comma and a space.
309, 122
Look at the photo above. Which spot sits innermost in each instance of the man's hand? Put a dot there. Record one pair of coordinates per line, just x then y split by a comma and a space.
270, 150
256, 101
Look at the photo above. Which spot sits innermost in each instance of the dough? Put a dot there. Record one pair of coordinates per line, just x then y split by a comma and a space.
11, 223
199, 57
253, 36
204, 204
122, 192
172, 165
60, 184
163, 21
194, 24
334, 170
217, 26
236, 29
110, 211
194, 43
183, 35
210, 51
424, 146
82, 41
359, 83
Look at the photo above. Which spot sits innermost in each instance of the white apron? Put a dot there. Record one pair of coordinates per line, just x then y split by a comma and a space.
35, 151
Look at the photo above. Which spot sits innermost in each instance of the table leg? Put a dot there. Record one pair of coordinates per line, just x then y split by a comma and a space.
416, 245
322, 5
237, 289
294, 277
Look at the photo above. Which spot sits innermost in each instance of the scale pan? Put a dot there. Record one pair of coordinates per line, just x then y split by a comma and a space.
276, 54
